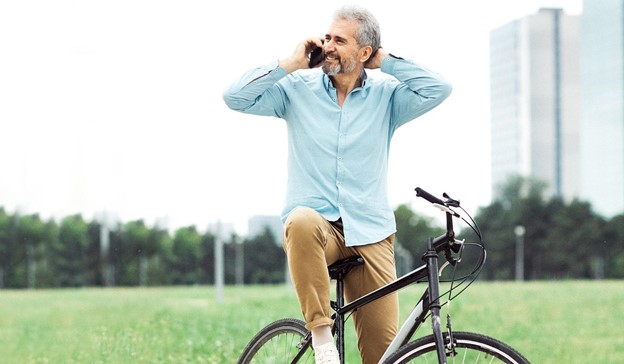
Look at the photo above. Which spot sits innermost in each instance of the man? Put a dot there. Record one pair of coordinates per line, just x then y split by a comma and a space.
340, 123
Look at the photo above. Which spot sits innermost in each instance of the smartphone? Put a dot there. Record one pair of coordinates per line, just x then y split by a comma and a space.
316, 57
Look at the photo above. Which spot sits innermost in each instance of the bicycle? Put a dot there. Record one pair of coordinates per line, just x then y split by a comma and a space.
288, 341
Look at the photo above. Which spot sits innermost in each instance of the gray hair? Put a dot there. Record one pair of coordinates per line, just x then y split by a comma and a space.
368, 32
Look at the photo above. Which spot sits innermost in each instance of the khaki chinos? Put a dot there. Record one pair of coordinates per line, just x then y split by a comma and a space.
311, 244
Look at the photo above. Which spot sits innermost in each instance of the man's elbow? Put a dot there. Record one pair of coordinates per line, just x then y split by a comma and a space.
446, 88
232, 101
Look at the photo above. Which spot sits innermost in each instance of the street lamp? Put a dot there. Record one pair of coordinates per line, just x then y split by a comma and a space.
519, 231
218, 258
108, 221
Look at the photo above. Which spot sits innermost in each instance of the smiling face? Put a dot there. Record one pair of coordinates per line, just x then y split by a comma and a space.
342, 52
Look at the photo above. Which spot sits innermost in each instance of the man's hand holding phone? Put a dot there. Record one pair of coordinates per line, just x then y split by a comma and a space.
301, 57
316, 57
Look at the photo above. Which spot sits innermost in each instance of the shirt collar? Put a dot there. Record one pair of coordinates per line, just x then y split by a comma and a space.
329, 85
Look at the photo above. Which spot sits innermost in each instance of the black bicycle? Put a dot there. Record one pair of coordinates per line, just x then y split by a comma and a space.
288, 341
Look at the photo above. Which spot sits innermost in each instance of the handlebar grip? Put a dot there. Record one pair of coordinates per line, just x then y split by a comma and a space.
427, 196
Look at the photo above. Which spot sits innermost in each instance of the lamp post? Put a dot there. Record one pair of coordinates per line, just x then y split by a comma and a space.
108, 221
519, 231
218, 257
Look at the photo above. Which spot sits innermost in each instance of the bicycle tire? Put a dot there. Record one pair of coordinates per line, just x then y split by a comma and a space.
469, 348
278, 342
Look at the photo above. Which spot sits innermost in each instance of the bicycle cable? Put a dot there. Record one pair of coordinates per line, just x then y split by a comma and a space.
471, 277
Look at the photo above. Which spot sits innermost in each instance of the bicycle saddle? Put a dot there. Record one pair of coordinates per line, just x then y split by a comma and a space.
341, 267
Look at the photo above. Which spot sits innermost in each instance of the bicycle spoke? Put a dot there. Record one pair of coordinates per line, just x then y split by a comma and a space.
470, 348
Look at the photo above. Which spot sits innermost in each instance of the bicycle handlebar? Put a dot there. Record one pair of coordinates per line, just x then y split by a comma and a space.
446, 241
429, 197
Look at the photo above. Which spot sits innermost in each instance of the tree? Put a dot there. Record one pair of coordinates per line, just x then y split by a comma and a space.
562, 240
414, 230
572, 244
31, 232
183, 261
159, 239
136, 236
69, 252
519, 202
207, 247
264, 260
613, 247
6, 245
497, 238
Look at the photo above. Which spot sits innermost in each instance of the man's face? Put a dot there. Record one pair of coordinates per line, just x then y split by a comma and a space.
341, 49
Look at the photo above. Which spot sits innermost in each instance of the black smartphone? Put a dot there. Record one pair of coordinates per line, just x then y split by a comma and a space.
316, 57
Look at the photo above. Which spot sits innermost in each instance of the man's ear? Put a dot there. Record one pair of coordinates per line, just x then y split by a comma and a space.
366, 53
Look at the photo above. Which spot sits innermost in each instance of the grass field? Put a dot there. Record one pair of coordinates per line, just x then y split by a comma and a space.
550, 322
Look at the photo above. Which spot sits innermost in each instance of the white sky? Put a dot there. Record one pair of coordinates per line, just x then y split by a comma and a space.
116, 105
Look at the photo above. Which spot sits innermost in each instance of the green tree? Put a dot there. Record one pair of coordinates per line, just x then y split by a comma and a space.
138, 251
7, 239
116, 257
159, 239
572, 244
498, 238
207, 247
183, 261
613, 247
265, 261
413, 231
46, 272
94, 276
31, 232
519, 202
69, 252
561, 240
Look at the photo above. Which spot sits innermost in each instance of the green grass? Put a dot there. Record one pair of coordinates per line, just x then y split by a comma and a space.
550, 322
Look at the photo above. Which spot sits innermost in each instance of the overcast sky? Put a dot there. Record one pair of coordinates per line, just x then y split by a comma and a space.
116, 105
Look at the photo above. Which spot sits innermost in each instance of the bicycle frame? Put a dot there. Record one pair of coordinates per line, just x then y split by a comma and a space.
418, 314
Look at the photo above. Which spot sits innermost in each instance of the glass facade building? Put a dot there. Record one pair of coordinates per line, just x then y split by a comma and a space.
602, 106
535, 102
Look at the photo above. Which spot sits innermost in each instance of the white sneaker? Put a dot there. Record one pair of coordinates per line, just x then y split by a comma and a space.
326, 354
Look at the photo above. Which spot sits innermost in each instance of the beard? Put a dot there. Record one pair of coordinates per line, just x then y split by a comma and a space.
344, 66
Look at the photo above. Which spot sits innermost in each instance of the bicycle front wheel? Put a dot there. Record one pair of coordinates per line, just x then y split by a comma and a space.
468, 348
282, 341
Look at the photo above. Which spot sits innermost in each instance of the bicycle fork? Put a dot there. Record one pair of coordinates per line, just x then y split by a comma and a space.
431, 259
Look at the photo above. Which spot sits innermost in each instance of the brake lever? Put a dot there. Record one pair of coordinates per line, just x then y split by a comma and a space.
450, 201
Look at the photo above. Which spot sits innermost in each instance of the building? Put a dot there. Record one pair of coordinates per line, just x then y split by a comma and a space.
535, 101
224, 231
602, 106
257, 225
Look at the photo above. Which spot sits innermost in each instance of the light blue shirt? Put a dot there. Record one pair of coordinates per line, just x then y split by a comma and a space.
338, 156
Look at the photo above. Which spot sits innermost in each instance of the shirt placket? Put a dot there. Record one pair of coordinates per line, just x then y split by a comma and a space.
340, 161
